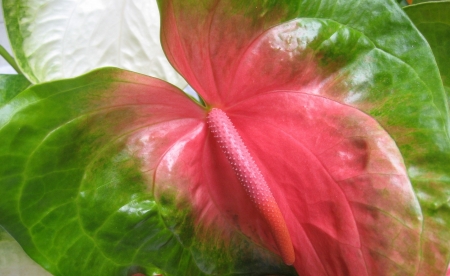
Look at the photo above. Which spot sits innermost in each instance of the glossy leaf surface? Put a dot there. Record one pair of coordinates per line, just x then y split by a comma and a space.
433, 21
335, 108
54, 39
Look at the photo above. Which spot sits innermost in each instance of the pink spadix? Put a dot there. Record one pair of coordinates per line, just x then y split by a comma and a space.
253, 182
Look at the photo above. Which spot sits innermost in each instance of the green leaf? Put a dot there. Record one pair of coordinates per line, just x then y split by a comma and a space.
75, 196
433, 21
10, 86
54, 39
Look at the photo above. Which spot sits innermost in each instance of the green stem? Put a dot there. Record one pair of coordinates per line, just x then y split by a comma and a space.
9, 59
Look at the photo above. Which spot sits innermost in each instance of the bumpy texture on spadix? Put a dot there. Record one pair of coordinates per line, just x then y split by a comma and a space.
250, 177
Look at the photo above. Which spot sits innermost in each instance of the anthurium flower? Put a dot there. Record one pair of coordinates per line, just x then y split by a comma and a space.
298, 159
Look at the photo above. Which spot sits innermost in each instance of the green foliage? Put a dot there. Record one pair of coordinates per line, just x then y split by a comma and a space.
433, 21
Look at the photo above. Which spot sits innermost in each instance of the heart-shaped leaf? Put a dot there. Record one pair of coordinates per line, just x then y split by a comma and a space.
54, 39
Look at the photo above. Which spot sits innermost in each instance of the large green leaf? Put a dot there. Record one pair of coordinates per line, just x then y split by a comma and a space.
433, 21
74, 194
54, 39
